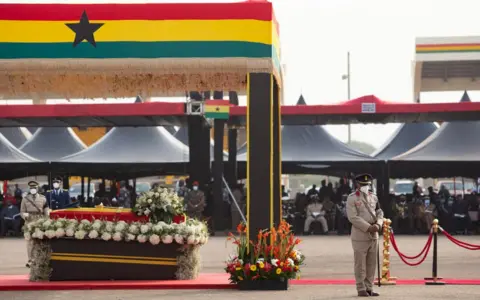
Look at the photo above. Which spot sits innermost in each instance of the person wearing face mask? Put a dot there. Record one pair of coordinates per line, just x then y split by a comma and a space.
58, 198
363, 211
195, 202
10, 218
342, 221
34, 206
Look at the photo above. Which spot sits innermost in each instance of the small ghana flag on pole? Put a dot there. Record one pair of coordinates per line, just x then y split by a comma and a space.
217, 109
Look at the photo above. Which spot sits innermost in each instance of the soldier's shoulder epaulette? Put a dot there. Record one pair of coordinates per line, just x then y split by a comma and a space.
64, 190
49, 191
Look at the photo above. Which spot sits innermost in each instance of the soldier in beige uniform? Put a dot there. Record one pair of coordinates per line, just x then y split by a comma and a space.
363, 211
34, 206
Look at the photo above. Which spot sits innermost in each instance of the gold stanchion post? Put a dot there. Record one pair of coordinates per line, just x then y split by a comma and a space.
386, 278
435, 279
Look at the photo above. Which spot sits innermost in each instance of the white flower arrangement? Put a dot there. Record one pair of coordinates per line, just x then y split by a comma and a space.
190, 232
159, 204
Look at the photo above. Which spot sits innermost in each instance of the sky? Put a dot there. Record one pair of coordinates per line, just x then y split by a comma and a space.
316, 35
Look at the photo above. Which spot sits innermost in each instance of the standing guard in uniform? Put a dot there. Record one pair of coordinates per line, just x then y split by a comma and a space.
58, 198
34, 206
363, 211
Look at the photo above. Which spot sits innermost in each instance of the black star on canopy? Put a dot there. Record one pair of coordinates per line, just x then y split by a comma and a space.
84, 30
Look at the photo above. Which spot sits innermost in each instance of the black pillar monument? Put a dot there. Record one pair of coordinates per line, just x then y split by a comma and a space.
263, 153
220, 209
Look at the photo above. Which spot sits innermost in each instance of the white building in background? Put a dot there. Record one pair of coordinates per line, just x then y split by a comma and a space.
446, 64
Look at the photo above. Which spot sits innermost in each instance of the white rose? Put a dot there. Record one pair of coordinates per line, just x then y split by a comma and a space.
158, 228
196, 241
179, 239
85, 222
154, 239
191, 240
120, 227
47, 223
167, 239
50, 234
157, 194
106, 236
144, 228
129, 237
60, 232
203, 240
93, 234
142, 238
109, 226
133, 229
146, 212
80, 235
27, 236
137, 205
70, 232
58, 224
149, 201
117, 236
97, 225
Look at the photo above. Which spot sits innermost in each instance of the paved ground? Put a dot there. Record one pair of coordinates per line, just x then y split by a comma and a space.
327, 257
295, 293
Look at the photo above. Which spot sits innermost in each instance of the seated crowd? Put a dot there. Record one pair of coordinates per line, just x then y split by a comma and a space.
414, 213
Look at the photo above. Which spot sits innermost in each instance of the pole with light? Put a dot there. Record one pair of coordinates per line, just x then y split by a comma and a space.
347, 78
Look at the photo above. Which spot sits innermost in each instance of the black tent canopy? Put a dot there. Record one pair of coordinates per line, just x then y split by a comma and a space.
15, 163
130, 151
182, 136
308, 148
405, 138
51, 144
16, 135
452, 150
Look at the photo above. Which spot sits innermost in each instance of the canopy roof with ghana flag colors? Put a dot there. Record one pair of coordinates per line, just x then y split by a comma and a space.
116, 50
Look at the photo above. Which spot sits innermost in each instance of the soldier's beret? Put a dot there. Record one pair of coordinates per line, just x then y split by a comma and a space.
57, 179
33, 184
364, 178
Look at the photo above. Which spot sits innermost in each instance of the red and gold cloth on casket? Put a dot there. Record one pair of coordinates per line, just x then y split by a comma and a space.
99, 213
105, 213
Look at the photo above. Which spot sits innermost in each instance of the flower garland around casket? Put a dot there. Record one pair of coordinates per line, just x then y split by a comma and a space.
159, 204
273, 256
190, 232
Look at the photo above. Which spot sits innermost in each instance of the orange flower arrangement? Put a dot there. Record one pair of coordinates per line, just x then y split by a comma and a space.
271, 257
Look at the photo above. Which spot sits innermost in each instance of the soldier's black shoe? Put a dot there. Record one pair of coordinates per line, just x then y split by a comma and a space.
372, 294
363, 294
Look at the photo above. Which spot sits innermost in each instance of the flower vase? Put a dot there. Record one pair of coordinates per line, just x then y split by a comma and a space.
263, 285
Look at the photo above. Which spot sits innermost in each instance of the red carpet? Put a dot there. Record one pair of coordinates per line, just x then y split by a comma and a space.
205, 281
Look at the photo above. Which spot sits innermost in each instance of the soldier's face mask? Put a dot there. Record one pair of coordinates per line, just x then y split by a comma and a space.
195, 188
365, 189
56, 185
33, 191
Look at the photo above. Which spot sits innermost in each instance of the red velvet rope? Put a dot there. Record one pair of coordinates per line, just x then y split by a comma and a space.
403, 257
394, 242
459, 243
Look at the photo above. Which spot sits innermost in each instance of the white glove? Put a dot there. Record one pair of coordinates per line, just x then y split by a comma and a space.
25, 215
